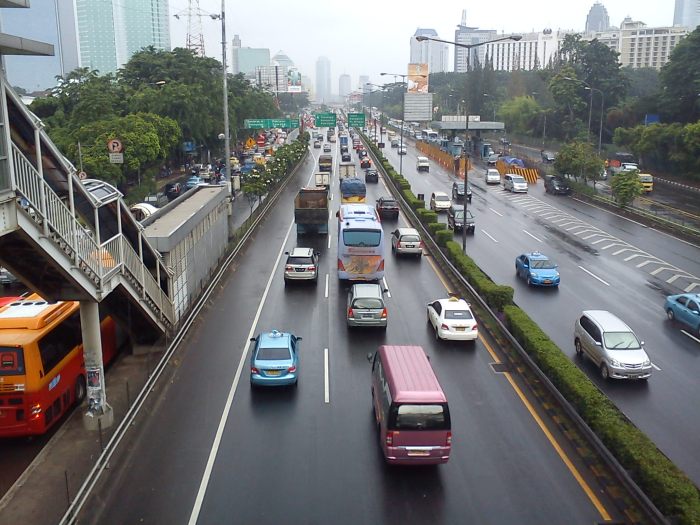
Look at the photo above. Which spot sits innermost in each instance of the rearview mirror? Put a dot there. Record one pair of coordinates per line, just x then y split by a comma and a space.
369, 357
252, 339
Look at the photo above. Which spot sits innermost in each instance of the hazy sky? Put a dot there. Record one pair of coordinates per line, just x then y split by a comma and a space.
371, 36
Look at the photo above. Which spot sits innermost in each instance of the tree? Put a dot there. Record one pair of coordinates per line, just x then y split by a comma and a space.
568, 104
579, 159
680, 81
520, 114
626, 187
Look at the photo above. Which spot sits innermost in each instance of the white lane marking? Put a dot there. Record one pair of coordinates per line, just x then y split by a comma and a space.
196, 509
329, 241
656, 367
487, 235
494, 211
326, 286
386, 287
691, 336
326, 378
528, 233
594, 276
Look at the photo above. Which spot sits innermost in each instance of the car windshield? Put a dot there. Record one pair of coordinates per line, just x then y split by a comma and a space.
386, 203
273, 354
420, 417
458, 314
299, 260
441, 198
410, 238
367, 302
518, 179
621, 341
364, 238
542, 264
460, 187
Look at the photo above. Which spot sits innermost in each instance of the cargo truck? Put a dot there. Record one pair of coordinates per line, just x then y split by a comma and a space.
311, 210
325, 163
346, 170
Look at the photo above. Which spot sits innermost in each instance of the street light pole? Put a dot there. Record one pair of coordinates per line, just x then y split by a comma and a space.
227, 131
466, 178
590, 108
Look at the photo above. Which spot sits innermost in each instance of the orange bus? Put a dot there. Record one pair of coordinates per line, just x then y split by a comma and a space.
42, 370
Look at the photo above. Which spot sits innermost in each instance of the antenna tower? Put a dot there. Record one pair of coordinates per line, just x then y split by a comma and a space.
195, 37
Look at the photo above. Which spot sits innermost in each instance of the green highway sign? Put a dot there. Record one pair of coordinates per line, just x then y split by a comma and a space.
325, 120
356, 120
267, 123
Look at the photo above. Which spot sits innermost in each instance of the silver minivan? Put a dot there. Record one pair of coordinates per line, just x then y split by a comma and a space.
611, 345
406, 241
514, 183
366, 305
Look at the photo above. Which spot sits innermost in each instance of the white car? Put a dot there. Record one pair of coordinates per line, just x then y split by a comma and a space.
493, 176
440, 201
402, 150
452, 319
514, 183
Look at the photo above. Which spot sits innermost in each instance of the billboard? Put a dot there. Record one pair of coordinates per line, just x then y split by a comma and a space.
418, 107
293, 80
417, 78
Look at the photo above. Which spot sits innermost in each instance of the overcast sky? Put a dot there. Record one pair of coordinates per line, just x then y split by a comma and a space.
370, 36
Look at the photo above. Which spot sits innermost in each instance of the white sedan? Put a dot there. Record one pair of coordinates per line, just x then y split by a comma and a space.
452, 319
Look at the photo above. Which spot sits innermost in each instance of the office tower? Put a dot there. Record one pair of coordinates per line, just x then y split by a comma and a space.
597, 19
344, 86
464, 58
426, 52
246, 60
687, 14
111, 31
282, 60
323, 80
235, 63
50, 21
363, 80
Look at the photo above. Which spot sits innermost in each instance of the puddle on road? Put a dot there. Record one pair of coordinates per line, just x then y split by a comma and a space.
568, 242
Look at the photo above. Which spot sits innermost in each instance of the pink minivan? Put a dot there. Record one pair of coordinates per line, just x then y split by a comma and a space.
410, 408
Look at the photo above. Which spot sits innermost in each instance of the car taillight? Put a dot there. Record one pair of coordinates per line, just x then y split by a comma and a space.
292, 369
422, 245
384, 313
389, 439
288, 268
254, 370
311, 269
340, 266
381, 266
448, 439
350, 312
444, 326
35, 410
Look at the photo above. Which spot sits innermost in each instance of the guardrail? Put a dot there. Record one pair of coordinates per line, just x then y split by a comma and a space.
457, 280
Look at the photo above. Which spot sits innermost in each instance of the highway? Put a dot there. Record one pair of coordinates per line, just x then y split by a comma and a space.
208, 449
606, 262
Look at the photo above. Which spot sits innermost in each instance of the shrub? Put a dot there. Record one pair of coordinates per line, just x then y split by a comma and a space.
435, 227
442, 236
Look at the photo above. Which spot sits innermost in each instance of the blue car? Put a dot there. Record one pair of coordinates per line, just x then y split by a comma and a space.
537, 269
685, 308
275, 359
194, 180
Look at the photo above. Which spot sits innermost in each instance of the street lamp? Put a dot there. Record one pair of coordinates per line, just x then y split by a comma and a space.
544, 124
421, 38
590, 108
381, 89
227, 139
403, 98
493, 106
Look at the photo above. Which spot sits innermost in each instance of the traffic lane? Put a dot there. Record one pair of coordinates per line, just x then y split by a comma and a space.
172, 437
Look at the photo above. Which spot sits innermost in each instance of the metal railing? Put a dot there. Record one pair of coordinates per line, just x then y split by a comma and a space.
98, 262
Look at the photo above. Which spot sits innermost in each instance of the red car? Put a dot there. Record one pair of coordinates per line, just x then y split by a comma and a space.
365, 163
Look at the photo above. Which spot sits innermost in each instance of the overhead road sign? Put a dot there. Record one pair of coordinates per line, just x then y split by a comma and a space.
356, 120
268, 123
325, 120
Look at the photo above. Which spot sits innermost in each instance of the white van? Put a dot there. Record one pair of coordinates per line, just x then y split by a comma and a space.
514, 183
422, 164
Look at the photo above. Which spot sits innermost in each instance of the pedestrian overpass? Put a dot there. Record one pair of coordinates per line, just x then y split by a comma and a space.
73, 240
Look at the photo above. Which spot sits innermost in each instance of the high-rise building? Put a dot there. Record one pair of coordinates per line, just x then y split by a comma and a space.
428, 52
533, 51
687, 14
50, 21
272, 78
235, 46
247, 59
362, 81
466, 58
323, 80
281, 59
597, 19
344, 86
642, 46
110, 31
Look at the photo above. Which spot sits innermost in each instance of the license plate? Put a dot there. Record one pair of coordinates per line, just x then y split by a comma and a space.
418, 453
409, 246
460, 328
273, 372
367, 316
299, 269
547, 281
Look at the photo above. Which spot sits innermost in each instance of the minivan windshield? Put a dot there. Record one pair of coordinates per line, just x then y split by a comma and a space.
621, 341
420, 417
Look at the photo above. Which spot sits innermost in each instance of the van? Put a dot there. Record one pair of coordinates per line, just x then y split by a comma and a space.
514, 183
647, 182
422, 164
611, 345
410, 409
366, 306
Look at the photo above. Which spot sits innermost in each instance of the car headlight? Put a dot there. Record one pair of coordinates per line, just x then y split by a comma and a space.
646, 363
614, 362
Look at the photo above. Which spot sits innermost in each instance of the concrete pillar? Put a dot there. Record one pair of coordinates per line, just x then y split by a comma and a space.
98, 411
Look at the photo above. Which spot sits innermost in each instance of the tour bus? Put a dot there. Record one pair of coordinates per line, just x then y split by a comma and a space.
410, 408
428, 135
352, 190
42, 370
360, 249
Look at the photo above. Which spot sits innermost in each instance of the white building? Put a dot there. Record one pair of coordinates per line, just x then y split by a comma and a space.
467, 58
323, 80
427, 52
687, 14
344, 86
533, 51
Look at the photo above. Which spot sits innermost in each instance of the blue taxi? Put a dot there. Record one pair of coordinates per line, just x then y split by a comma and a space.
537, 269
274, 360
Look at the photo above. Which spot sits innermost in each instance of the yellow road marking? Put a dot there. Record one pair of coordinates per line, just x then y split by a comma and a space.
569, 464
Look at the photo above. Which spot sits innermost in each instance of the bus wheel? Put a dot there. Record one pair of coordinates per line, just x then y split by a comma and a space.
80, 389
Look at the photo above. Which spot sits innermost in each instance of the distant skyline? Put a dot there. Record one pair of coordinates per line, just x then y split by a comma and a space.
374, 36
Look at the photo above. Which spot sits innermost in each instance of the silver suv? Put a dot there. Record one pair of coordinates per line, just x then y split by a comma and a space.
366, 306
301, 265
611, 345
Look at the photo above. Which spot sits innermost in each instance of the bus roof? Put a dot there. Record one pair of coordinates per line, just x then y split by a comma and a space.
410, 377
32, 313
363, 223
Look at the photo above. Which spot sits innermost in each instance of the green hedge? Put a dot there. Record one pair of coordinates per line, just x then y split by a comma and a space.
426, 216
435, 227
442, 236
667, 486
